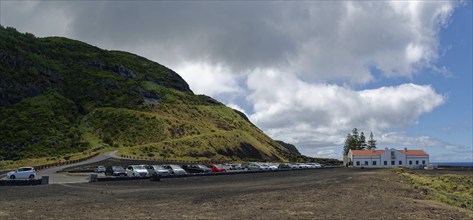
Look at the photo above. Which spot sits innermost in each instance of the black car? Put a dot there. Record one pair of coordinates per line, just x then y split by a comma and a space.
196, 168
115, 171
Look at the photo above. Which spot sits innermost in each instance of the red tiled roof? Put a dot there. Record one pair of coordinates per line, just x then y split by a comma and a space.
414, 152
367, 152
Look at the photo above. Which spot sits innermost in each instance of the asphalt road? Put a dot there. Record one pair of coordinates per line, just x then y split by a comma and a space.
56, 178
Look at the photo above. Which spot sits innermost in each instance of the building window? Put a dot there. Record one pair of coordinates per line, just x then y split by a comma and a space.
358, 163
400, 162
417, 162
393, 155
366, 163
423, 162
393, 163
410, 162
385, 163
374, 163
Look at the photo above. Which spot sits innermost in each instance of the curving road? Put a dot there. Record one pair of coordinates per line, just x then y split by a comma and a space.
56, 178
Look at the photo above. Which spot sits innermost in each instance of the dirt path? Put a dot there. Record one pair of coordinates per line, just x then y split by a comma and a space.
342, 193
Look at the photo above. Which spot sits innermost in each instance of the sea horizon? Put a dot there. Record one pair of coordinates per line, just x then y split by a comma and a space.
454, 164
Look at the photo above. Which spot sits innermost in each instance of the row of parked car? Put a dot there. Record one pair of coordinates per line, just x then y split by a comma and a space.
171, 169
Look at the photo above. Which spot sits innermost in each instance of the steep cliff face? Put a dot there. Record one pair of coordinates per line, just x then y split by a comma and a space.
60, 96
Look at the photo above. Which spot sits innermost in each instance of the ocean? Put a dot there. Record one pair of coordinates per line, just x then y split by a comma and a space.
454, 164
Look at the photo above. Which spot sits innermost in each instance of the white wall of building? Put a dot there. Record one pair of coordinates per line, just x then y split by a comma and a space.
393, 157
389, 158
366, 161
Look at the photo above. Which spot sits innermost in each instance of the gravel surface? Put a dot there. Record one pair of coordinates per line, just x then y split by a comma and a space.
342, 193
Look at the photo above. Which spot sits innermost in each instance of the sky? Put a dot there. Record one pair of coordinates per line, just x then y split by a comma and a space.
305, 72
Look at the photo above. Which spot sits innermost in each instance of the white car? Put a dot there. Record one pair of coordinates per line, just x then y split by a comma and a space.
100, 169
311, 165
270, 166
255, 166
22, 173
136, 170
175, 169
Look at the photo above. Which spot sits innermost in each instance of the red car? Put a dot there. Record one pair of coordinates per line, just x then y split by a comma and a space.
216, 168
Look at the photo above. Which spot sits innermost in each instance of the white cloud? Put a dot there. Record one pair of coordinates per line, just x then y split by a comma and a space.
295, 63
327, 108
315, 40
236, 107
212, 80
320, 114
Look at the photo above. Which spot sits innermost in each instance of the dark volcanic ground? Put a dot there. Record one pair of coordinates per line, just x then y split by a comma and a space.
341, 193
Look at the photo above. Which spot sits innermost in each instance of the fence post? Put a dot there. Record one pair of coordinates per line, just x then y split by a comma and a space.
93, 178
44, 180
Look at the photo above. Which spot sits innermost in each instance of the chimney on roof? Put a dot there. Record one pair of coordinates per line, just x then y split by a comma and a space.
386, 148
373, 150
405, 149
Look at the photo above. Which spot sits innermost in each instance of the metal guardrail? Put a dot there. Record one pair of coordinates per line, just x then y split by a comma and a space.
45, 166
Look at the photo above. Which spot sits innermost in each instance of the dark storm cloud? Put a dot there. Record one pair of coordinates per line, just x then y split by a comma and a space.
239, 34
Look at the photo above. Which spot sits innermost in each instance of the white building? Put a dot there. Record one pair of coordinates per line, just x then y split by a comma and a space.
387, 158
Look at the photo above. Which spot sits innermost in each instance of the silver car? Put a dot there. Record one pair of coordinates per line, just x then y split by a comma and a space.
22, 173
255, 166
175, 169
136, 170
160, 170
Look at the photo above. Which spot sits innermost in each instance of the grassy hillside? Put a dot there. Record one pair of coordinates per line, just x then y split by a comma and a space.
60, 96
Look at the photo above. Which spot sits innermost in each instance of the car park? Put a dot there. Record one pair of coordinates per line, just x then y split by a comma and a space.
136, 170
161, 170
196, 168
175, 169
115, 171
22, 173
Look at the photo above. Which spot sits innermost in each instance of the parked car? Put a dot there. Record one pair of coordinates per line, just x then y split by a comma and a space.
196, 168
216, 168
270, 166
115, 171
161, 170
300, 166
236, 167
175, 169
314, 165
100, 169
149, 168
256, 167
311, 165
285, 166
227, 166
22, 173
136, 170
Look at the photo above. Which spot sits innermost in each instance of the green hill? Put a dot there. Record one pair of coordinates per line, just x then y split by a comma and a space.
290, 147
60, 96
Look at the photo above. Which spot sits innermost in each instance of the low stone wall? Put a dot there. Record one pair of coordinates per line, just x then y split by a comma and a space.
20, 182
